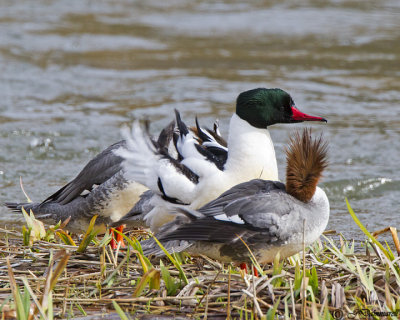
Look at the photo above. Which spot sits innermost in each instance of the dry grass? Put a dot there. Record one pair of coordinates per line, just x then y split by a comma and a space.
49, 279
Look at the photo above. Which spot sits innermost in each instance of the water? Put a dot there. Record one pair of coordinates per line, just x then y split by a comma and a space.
73, 72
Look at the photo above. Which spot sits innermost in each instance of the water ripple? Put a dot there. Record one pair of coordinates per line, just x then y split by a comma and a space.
360, 189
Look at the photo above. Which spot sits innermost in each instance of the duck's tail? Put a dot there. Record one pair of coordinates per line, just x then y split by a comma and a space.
46, 212
17, 207
306, 160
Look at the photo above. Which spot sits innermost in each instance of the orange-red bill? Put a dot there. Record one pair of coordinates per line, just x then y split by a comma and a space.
300, 116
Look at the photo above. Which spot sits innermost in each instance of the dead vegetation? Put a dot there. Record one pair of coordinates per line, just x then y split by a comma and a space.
44, 275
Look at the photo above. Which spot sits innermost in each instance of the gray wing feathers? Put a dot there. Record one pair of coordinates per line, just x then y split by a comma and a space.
234, 197
265, 214
205, 229
97, 171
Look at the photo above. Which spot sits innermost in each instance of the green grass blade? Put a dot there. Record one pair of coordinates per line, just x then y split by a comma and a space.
174, 262
147, 277
26, 234
314, 280
81, 309
50, 311
170, 284
297, 277
135, 244
89, 235
66, 238
26, 300
272, 311
366, 232
16, 294
120, 312
34, 298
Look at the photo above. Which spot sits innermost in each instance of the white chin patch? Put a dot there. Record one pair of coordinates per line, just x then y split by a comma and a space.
234, 219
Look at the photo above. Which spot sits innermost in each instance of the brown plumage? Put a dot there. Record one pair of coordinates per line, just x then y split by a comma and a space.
306, 159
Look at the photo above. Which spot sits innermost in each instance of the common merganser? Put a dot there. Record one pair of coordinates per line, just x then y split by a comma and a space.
265, 214
100, 188
251, 155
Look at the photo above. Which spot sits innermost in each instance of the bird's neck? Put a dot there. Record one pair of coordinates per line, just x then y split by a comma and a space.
319, 219
251, 153
320, 199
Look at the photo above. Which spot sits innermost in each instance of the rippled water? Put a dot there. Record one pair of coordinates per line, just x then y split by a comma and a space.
72, 72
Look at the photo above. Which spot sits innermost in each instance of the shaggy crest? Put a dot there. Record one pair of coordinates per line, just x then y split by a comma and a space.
306, 159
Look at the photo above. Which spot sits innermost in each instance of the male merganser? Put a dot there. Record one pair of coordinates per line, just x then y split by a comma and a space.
101, 188
266, 215
251, 155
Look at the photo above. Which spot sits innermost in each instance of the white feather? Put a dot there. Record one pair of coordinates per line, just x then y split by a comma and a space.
175, 184
215, 144
141, 159
234, 219
144, 165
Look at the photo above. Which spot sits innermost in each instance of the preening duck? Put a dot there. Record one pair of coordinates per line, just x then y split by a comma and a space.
101, 188
251, 155
267, 215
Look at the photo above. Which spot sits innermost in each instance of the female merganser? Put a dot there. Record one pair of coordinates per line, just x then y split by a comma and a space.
101, 188
264, 214
251, 155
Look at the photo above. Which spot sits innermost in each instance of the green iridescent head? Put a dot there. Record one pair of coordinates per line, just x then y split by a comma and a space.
264, 107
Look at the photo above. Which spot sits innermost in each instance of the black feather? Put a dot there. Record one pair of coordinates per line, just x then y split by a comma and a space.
201, 133
210, 157
165, 137
183, 129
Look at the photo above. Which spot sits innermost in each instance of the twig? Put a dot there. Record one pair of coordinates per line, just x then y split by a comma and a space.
292, 298
228, 307
208, 289
395, 239
23, 190
256, 305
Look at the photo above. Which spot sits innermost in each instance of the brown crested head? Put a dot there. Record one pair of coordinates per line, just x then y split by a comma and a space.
306, 160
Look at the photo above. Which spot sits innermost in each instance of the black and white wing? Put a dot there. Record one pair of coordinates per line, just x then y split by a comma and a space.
213, 143
191, 152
